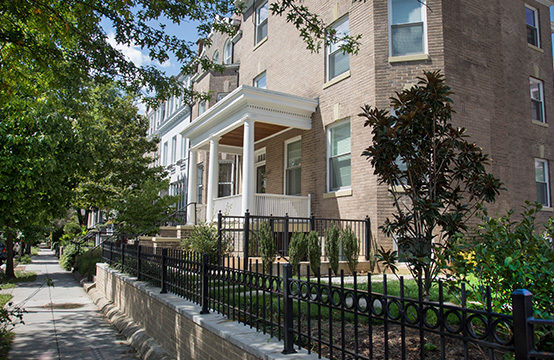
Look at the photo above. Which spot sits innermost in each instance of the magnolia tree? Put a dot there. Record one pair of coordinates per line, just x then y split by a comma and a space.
436, 176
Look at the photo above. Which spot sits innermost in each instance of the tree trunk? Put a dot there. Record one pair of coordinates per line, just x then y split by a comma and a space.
10, 273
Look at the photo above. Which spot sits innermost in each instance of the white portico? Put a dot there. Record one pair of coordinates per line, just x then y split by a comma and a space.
233, 125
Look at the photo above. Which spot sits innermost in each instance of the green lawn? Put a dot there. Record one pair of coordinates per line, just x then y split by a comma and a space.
20, 276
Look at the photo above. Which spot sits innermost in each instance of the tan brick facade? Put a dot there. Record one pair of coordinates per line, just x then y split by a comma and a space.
480, 46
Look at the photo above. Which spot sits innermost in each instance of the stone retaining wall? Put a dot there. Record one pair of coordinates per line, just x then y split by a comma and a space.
177, 326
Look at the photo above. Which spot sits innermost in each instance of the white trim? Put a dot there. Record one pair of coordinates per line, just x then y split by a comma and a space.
272, 136
328, 155
546, 179
539, 82
537, 25
287, 142
423, 19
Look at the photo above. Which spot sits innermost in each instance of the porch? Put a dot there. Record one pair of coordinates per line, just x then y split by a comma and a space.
234, 125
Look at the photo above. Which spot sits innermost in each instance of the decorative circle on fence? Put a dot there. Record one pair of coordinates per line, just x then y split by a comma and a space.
304, 291
363, 303
337, 297
411, 312
431, 321
293, 288
349, 300
476, 326
378, 304
453, 317
394, 309
324, 295
503, 331
274, 284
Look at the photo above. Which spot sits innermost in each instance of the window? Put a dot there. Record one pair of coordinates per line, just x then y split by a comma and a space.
228, 52
543, 182
407, 27
404, 168
261, 22
337, 61
183, 147
174, 149
165, 154
338, 139
532, 20
199, 182
261, 179
215, 57
201, 107
225, 185
293, 157
537, 102
260, 81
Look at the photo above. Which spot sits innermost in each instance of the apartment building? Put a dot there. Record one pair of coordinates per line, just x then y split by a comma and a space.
280, 133
167, 123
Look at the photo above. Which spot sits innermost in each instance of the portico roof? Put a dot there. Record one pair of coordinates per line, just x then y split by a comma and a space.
272, 111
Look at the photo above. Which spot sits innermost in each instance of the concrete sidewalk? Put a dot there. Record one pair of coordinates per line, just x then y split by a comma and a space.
61, 322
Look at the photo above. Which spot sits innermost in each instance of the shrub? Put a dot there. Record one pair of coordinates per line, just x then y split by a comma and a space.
332, 247
67, 260
267, 245
350, 248
86, 263
297, 250
314, 251
507, 255
25, 259
204, 240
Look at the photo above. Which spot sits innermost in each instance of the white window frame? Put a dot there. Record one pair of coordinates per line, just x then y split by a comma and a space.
537, 25
215, 57
228, 52
328, 53
258, 24
183, 147
174, 149
258, 163
547, 180
201, 107
164, 153
533, 80
423, 19
261, 75
199, 184
232, 182
328, 157
285, 168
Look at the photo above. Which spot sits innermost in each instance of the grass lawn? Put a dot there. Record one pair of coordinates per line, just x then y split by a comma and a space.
20, 276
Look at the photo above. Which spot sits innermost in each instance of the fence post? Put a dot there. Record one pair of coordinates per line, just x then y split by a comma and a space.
111, 253
522, 308
219, 236
286, 236
139, 262
164, 271
288, 324
122, 256
246, 238
205, 289
367, 237
312, 222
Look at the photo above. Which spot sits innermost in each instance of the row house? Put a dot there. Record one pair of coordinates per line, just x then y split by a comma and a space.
280, 133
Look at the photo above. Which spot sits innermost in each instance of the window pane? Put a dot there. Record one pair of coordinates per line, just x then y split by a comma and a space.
338, 64
260, 81
260, 179
540, 175
407, 39
532, 36
340, 139
224, 190
406, 11
536, 90
340, 171
225, 172
261, 13
294, 153
293, 181
227, 52
261, 32
536, 108
530, 16
542, 194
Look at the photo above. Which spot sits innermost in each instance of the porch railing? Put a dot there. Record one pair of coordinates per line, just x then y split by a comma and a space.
231, 205
265, 205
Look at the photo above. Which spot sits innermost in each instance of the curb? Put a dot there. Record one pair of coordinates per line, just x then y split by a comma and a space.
143, 344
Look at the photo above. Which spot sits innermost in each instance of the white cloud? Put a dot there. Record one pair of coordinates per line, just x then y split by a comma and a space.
135, 54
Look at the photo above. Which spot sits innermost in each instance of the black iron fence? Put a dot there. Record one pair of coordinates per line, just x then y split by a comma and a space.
241, 232
356, 317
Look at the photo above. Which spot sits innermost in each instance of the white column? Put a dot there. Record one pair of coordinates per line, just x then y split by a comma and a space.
248, 181
192, 187
213, 179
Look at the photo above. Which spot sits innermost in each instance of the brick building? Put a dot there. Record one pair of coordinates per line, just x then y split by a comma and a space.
281, 134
